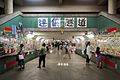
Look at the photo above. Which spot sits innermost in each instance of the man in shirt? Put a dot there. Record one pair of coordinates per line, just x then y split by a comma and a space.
42, 56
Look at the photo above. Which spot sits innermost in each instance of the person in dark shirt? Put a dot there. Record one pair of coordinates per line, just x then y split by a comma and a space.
99, 58
20, 58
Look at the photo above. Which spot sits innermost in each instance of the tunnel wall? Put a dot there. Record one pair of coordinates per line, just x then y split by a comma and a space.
31, 22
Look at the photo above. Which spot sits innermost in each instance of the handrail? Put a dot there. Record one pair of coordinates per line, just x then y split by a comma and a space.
9, 17
109, 16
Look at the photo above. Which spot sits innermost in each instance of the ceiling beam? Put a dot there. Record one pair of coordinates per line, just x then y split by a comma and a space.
99, 2
60, 2
19, 2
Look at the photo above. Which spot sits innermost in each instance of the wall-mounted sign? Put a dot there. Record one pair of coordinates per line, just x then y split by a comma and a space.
81, 22
6, 29
14, 31
43, 22
19, 28
69, 22
55, 22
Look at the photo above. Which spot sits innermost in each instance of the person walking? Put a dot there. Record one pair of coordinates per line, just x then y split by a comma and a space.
67, 51
42, 56
88, 52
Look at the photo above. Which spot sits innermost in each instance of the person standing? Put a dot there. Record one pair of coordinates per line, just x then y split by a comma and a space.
99, 58
21, 55
88, 52
42, 56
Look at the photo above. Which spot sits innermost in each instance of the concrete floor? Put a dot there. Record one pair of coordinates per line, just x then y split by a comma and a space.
58, 68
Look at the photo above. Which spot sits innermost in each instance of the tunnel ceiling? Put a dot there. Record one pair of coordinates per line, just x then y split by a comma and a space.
58, 2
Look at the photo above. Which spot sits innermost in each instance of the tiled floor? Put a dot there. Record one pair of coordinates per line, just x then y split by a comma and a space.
59, 68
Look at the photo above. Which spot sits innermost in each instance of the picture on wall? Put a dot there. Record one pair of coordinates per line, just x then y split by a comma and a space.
14, 30
69, 22
82, 22
42, 22
55, 22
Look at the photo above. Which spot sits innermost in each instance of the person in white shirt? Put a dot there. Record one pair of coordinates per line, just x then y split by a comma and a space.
88, 53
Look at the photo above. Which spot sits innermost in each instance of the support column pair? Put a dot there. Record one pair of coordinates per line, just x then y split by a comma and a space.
8, 6
112, 4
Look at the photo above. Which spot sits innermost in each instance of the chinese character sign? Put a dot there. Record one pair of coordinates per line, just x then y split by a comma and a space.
69, 22
55, 22
82, 22
43, 22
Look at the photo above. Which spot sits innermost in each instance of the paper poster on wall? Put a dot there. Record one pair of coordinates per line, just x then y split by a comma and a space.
14, 31
82, 22
69, 22
55, 22
42, 22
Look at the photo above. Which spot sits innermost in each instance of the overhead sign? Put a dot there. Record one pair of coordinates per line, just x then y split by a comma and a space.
43, 22
69, 22
81, 22
55, 22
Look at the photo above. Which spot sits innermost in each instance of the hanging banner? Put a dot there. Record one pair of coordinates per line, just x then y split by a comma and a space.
7, 29
112, 29
55, 22
14, 29
82, 22
69, 22
42, 22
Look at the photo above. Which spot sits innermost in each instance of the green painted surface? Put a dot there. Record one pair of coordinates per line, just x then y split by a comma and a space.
100, 22
32, 22
10, 58
92, 22
1, 64
104, 23
118, 65
14, 21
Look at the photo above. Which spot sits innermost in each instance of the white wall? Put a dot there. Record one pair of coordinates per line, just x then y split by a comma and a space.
80, 8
